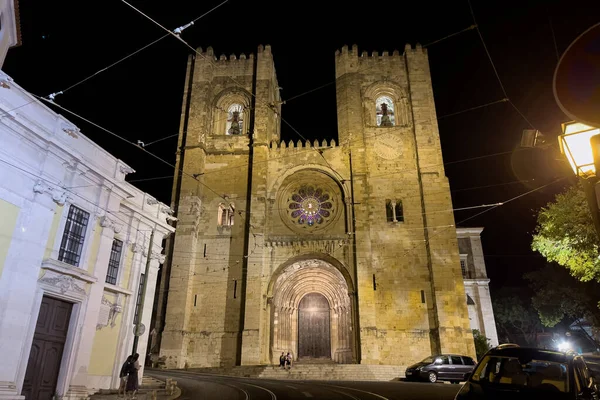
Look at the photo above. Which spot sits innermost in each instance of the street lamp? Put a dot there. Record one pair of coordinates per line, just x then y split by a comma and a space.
580, 143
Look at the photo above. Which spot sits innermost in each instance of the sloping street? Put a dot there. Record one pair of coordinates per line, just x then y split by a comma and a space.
203, 386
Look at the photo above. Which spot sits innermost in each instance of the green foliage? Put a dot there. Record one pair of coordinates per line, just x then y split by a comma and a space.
482, 344
516, 319
565, 234
557, 296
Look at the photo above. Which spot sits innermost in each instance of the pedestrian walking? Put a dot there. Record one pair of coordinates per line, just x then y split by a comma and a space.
123, 376
132, 376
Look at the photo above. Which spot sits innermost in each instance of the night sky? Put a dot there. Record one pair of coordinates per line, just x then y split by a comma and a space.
140, 98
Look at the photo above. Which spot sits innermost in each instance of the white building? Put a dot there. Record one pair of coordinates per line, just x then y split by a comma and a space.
479, 302
74, 241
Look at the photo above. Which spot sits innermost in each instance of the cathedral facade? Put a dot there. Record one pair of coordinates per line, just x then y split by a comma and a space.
339, 250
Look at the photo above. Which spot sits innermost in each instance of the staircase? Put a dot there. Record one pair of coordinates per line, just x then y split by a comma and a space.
312, 371
150, 388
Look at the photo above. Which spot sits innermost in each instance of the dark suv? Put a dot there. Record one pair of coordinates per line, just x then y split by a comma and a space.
448, 367
523, 373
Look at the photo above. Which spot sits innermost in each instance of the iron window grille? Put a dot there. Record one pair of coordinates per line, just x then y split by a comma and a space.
114, 261
73, 236
463, 268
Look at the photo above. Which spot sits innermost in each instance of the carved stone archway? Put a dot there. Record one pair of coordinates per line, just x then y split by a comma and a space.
296, 281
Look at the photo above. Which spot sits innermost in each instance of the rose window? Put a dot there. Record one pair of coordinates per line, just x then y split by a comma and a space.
310, 206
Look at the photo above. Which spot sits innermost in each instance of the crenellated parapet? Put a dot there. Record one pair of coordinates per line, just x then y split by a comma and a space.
290, 145
349, 60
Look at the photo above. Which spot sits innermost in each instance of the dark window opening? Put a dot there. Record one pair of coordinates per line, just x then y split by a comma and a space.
463, 268
389, 211
399, 211
394, 212
73, 236
113, 263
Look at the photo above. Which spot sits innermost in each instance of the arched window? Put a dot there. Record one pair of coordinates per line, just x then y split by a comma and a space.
235, 120
394, 211
389, 211
384, 107
225, 214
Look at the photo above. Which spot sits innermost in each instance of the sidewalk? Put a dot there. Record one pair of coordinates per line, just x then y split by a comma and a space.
150, 389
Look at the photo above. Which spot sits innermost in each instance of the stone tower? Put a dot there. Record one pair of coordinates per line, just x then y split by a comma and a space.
344, 251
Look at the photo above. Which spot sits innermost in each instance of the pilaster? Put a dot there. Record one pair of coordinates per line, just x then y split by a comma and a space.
17, 293
92, 309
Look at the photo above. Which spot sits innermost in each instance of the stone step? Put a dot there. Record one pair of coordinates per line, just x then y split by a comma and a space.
312, 371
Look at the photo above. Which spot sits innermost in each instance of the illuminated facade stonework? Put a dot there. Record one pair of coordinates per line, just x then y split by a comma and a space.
343, 250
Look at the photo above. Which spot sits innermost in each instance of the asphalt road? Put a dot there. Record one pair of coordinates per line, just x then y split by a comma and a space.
196, 386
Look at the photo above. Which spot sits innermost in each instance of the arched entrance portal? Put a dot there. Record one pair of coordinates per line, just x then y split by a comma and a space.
314, 340
311, 313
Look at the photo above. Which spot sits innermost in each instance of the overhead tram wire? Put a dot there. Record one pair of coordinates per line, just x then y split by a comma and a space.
487, 52
228, 203
444, 227
456, 225
129, 142
370, 67
53, 95
269, 106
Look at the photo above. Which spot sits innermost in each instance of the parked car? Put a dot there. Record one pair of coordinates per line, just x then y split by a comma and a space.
524, 373
593, 364
447, 367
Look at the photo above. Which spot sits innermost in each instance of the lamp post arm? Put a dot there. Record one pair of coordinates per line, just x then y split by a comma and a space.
589, 185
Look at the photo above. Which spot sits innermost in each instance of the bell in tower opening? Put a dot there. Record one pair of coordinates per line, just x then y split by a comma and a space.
235, 120
385, 111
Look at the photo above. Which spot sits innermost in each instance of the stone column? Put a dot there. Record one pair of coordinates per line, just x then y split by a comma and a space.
18, 284
156, 260
77, 386
488, 323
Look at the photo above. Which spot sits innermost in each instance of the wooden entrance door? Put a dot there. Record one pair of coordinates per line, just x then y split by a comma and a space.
47, 349
314, 340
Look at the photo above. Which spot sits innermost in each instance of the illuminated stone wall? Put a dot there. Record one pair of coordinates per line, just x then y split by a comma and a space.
382, 242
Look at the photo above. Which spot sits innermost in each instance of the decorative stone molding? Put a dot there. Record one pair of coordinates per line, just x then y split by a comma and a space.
151, 201
108, 314
310, 246
63, 283
41, 187
126, 169
158, 256
71, 130
137, 248
59, 196
106, 222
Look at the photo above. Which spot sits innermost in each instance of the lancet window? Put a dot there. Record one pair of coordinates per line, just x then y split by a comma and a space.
394, 211
225, 214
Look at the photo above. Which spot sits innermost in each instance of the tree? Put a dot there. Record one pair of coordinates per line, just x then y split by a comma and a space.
517, 320
558, 296
565, 234
482, 344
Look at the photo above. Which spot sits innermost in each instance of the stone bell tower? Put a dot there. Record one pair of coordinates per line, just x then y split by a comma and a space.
410, 289
231, 111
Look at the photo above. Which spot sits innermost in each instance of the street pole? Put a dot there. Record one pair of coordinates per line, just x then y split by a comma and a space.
143, 299
590, 184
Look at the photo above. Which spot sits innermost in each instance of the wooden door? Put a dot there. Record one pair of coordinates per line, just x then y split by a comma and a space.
47, 349
314, 339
